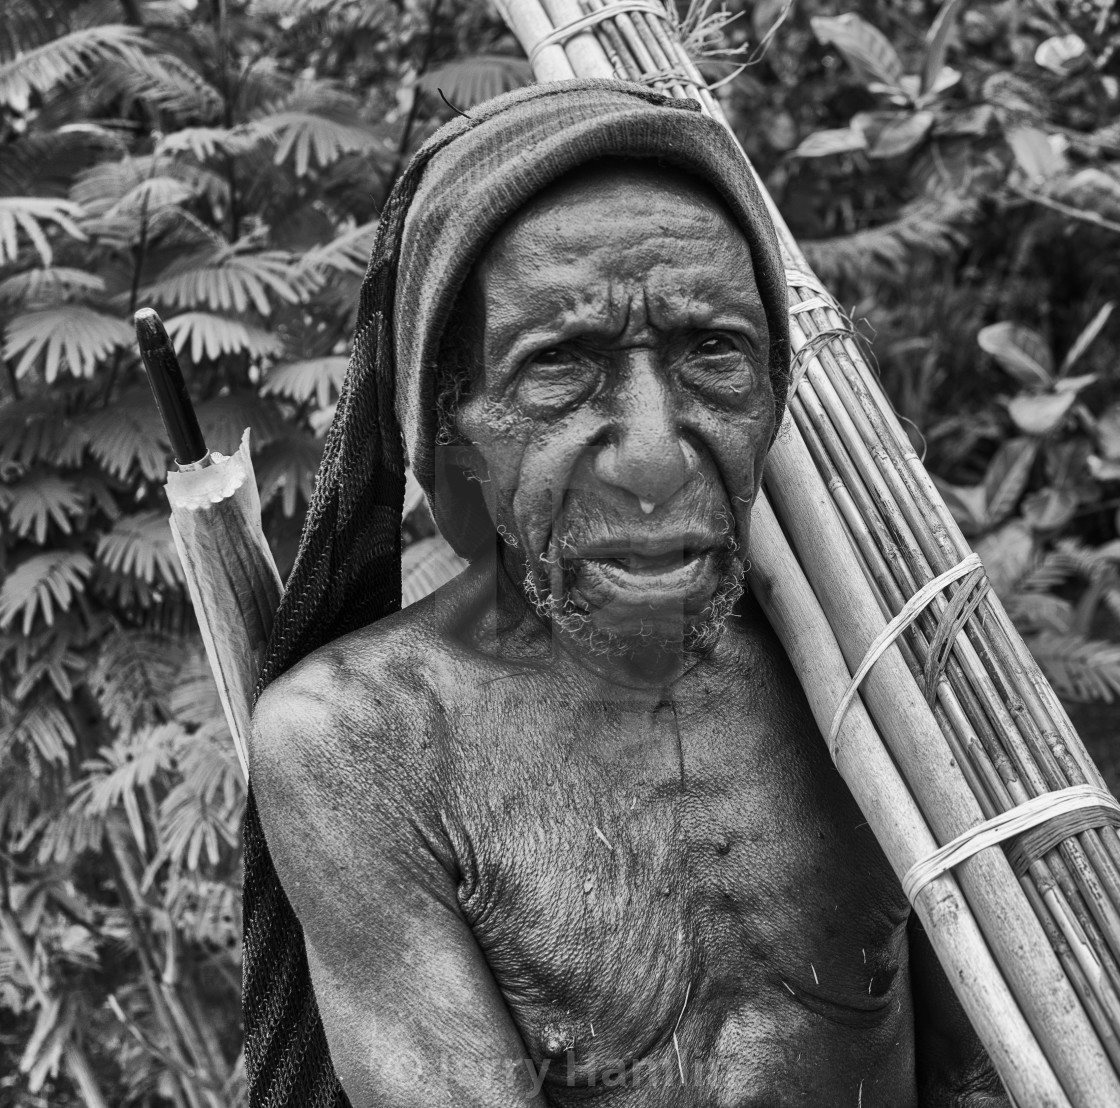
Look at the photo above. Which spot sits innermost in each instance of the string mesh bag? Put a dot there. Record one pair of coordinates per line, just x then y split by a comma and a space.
466, 181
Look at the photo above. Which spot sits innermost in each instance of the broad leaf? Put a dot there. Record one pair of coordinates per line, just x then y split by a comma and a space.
141, 546
40, 498
299, 381
1006, 478
864, 47
129, 434
1007, 554
937, 41
29, 214
1084, 340
41, 585
825, 144
1062, 54
1094, 190
1034, 153
65, 58
210, 336
1020, 351
469, 81
1108, 432
892, 134
968, 503
1040, 414
1048, 509
71, 336
226, 280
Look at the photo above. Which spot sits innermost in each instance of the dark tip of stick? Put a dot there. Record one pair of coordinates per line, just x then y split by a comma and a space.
169, 388
450, 105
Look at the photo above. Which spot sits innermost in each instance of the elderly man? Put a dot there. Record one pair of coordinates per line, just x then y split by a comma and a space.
565, 831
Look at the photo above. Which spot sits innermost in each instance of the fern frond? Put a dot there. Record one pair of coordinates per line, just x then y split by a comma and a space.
36, 429
348, 253
1084, 669
28, 214
228, 280
287, 468
45, 162
39, 499
72, 336
42, 584
163, 82
299, 381
187, 824
133, 677
66, 58
194, 700
469, 81
1040, 611
48, 286
44, 728
141, 546
925, 227
307, 138
204, 143
129, 434
224, 418
210, 336
206, 912
114, 778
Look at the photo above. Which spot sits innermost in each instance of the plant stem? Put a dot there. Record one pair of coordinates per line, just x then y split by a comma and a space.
77, 1064
414, 107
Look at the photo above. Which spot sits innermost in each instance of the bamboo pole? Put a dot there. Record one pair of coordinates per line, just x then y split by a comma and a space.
993, 734
791, 606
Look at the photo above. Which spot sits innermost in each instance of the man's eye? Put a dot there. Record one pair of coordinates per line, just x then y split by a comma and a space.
553, 356
715, 345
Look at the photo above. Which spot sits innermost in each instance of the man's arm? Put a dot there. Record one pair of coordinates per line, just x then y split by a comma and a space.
953, 1068
411, 1011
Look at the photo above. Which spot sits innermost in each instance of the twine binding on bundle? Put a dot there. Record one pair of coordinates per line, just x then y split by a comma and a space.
586, 22
1047, 808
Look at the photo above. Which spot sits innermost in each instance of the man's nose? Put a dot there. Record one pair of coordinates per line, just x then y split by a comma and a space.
646, 454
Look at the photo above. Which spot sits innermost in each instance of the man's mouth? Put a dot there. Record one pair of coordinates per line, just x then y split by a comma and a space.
647, 573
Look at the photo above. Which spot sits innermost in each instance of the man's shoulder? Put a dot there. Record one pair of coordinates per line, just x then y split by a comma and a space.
362, 700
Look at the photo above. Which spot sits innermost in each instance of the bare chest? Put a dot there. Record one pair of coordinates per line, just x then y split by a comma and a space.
681, 885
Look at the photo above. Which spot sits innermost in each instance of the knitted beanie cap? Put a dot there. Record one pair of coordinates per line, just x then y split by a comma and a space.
518, 145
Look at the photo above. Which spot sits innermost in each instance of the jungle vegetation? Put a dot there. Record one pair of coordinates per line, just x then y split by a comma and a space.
952, 170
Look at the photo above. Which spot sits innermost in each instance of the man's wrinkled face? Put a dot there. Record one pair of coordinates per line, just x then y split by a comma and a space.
624, 405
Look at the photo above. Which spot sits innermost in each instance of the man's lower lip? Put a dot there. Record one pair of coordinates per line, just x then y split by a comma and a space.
648, 581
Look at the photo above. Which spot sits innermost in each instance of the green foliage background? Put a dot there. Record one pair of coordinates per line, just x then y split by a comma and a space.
952, 170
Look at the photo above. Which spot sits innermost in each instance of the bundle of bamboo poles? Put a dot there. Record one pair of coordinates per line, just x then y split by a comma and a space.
948, 723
